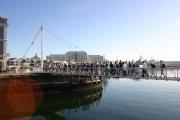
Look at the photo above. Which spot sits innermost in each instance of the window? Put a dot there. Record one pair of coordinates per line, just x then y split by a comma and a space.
1, 33
1, 47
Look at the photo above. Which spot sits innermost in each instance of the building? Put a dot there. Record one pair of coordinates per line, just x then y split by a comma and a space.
3, 43
35, 61
56, 57
95, 58
35, 58
76, 56
13, 62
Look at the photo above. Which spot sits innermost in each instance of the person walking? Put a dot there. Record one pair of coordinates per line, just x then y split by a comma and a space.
125, 69
162, 67
144, 70
153, 67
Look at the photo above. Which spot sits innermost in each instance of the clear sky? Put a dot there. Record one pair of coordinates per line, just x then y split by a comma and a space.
120, 29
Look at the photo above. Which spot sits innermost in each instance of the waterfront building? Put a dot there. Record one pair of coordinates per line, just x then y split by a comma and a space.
35, 58
13, 62
56, 57
76, 56
95, 58
3, 43
35, 61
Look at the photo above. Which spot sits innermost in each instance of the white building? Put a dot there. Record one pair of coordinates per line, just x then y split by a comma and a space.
95, 58
56, 57
76, 56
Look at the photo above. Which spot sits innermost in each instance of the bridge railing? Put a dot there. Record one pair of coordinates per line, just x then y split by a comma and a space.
168, 72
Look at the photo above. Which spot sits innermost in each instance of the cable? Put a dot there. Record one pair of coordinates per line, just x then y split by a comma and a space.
69, 44
36, 35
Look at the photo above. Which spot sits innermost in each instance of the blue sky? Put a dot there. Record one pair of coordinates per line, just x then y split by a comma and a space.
120, 29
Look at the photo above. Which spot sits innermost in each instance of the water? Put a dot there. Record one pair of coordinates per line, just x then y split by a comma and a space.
115, 99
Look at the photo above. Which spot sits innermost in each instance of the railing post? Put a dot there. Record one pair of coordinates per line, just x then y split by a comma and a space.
177, 73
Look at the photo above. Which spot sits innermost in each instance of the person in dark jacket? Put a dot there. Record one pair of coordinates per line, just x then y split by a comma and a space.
162, 67
153, 67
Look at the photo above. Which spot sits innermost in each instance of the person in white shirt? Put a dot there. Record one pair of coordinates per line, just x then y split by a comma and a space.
144, 65
125, 65
124, 69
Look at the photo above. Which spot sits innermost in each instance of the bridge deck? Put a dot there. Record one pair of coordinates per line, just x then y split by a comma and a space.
133, 73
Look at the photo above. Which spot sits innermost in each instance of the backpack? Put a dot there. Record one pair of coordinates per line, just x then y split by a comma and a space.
163, 65
153, 65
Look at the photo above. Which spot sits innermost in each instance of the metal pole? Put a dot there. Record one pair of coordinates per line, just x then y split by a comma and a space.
42, 37
177, 73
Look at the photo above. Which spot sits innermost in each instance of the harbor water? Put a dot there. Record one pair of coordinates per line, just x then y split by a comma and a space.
114, 99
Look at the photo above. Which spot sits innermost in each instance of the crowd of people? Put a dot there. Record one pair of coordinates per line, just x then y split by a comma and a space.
118, 68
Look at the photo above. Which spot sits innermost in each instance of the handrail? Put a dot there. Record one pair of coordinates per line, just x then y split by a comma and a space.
168, 72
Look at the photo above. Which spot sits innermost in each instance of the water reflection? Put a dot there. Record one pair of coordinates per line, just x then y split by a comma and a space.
26, 100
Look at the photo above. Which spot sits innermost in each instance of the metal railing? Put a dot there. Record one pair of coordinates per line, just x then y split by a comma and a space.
155, 73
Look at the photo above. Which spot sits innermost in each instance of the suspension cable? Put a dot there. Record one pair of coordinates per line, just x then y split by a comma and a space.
66, 42
35, 37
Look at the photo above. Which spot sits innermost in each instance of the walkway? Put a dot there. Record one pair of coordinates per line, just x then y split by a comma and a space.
134, 73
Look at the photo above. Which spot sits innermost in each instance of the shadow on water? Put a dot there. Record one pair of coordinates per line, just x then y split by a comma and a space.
26, 100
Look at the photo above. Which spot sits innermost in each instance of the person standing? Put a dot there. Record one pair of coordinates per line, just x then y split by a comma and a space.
153, 67
162, 67
125, 69
144, 70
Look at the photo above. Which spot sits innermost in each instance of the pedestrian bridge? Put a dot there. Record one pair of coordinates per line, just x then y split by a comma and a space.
171, 73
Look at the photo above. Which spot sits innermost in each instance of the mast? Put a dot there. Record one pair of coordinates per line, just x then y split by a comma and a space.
42, 39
